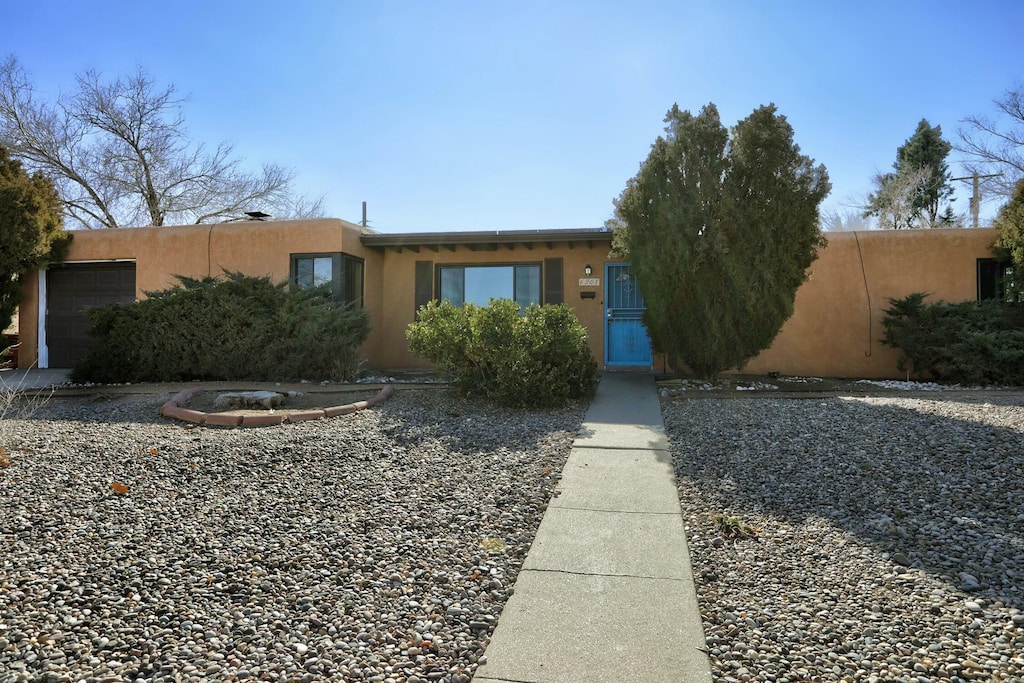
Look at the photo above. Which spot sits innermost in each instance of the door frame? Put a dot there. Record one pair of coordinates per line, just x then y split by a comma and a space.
607, 322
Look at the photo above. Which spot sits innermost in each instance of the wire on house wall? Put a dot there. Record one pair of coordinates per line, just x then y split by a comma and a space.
867, 293
209, 251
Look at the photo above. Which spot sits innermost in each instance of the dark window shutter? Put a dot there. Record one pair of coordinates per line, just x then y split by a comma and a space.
553, 281
424, 283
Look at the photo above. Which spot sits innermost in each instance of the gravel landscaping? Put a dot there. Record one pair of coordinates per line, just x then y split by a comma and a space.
859, 538
377, 546
848, 539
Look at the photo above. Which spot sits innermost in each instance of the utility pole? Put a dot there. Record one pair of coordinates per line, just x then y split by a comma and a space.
976, 195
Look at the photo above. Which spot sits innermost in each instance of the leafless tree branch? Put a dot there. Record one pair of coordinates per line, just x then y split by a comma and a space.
119, 154
996, 144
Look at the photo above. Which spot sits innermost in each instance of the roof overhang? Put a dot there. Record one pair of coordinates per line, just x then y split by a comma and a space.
485, 239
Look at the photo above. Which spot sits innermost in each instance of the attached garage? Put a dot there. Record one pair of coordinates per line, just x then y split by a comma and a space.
71, 289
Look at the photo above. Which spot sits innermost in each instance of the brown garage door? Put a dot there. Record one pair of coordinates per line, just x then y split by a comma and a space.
70, 290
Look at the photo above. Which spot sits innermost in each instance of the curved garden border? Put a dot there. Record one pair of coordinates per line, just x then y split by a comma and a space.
175, 408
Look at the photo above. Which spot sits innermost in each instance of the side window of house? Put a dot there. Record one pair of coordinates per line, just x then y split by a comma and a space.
342, 272
993, 280
480, 284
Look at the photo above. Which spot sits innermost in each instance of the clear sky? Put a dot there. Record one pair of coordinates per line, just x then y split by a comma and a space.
480, 115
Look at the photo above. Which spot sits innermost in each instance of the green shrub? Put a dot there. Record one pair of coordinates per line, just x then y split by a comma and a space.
537, 357
967, 343
235, 327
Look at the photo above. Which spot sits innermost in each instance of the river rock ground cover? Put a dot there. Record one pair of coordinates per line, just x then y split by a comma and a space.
377, 546
849, 539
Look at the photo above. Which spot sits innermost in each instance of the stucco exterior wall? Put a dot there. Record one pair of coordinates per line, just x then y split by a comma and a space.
834, 332
837, 320
251, 247
398, 289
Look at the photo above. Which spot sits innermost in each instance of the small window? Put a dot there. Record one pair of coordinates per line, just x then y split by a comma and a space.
342, 272
480, 284
995, 280
313, 271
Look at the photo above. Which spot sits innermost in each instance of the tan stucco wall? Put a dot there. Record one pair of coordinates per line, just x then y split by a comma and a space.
837, 320
834, 332
399, 289
251, 247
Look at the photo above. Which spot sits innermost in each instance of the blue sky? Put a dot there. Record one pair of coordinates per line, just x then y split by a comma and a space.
521, 115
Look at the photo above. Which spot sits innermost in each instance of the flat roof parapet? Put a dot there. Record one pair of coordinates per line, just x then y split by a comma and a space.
484, 238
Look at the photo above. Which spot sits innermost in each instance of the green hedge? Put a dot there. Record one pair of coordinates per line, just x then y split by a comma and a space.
965, 343
536, 357
236, 327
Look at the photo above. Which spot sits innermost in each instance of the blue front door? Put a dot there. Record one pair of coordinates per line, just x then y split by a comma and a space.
625, 337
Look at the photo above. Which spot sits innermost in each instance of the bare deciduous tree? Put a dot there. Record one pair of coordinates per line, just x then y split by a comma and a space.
894, 198
119, 154
848, 220
996, 144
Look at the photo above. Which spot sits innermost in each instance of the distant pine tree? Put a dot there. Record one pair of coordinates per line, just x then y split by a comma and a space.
912, 196
720, 230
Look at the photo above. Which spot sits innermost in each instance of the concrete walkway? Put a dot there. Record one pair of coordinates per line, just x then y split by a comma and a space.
606, 594
33, 378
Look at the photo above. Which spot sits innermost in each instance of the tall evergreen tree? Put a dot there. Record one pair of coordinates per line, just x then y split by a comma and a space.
912, 197
720, 230
927, 150
30, 229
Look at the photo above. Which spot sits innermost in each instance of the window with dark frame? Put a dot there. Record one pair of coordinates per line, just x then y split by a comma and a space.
478, 284
547, 274
342, 272
993, 280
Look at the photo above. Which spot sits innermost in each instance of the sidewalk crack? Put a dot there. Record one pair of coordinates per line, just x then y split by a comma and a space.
576, 446
614, 576
554, 504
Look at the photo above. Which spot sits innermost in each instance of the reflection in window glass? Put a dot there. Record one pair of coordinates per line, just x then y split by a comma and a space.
527, 285
313, 271
342, 272
484, 284
323, 267
354, 282
453, 285
480, 284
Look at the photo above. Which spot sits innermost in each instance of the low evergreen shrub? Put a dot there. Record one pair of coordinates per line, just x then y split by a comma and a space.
537, 357
964, 343
236, 327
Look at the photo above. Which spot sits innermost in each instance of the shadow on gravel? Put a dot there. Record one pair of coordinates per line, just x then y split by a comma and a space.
471, 426
939, 480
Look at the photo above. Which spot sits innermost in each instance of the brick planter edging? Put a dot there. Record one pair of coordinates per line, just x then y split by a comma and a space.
175, 408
